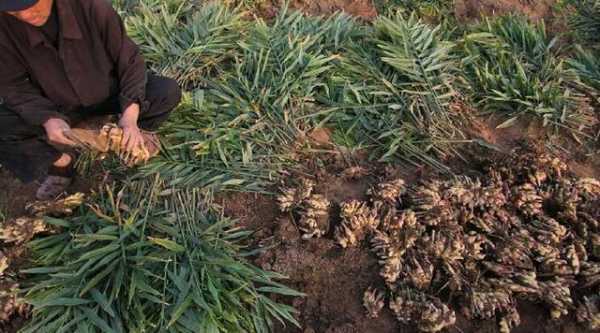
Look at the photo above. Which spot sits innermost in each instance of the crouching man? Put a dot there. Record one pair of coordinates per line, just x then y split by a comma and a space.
62, 61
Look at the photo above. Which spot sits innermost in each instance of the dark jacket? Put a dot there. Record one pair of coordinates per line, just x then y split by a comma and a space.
95, 60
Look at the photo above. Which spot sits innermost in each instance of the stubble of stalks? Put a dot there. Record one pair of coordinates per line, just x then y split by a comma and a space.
430, 314
358, 220
509, 321
534, 235
557, 295
315, 217
109, 139
488, 304
373, 301
528, 199
3, 263
354, 173
312, 208
10, 303
292, 197
590, 272
23, 229
60, 207
588, 312
418, 270
388, 192
392, 243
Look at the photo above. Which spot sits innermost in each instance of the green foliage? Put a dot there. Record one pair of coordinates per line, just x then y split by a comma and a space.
515, 68
243, 129
255, 89
184, 41
585, 20
396, 90
145, 260
587, 66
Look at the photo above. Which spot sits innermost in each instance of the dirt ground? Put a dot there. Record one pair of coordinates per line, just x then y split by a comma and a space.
363, 9
534, 9
464, 10
359, 8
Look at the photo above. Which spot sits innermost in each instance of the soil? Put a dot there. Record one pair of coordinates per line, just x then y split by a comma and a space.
363, 9
472, 9
465, 10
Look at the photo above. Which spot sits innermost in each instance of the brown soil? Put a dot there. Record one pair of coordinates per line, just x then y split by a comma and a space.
14, 194
465, 10
363, 9
360, 8
473, 9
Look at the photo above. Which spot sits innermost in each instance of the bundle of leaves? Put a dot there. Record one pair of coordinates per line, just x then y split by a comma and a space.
145, 260
430, 10
585, 20
249, 123
183, 40
587, 67
395, 91
515, 69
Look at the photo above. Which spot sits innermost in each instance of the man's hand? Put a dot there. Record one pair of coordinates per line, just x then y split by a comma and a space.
132, 136
55, 128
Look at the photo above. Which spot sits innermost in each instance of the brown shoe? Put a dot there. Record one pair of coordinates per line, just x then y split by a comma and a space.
52, 187
57, 182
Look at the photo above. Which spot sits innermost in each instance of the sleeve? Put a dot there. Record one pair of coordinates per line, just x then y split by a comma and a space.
129, 62
19, 94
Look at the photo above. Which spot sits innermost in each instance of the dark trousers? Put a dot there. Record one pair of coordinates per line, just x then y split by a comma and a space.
25, 151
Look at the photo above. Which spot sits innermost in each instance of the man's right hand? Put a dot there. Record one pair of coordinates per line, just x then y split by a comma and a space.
55, 128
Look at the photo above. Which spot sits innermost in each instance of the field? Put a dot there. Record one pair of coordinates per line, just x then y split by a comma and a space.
335, 166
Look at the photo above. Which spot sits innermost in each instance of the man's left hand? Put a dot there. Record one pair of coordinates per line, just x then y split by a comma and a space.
132, 136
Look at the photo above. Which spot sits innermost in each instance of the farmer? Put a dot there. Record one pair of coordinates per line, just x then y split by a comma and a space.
62, 61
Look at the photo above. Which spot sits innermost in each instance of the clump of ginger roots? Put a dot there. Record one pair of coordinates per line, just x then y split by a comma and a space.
526, 229
312, 208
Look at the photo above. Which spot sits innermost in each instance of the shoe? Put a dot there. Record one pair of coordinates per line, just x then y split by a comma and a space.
57, 181
52, 187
